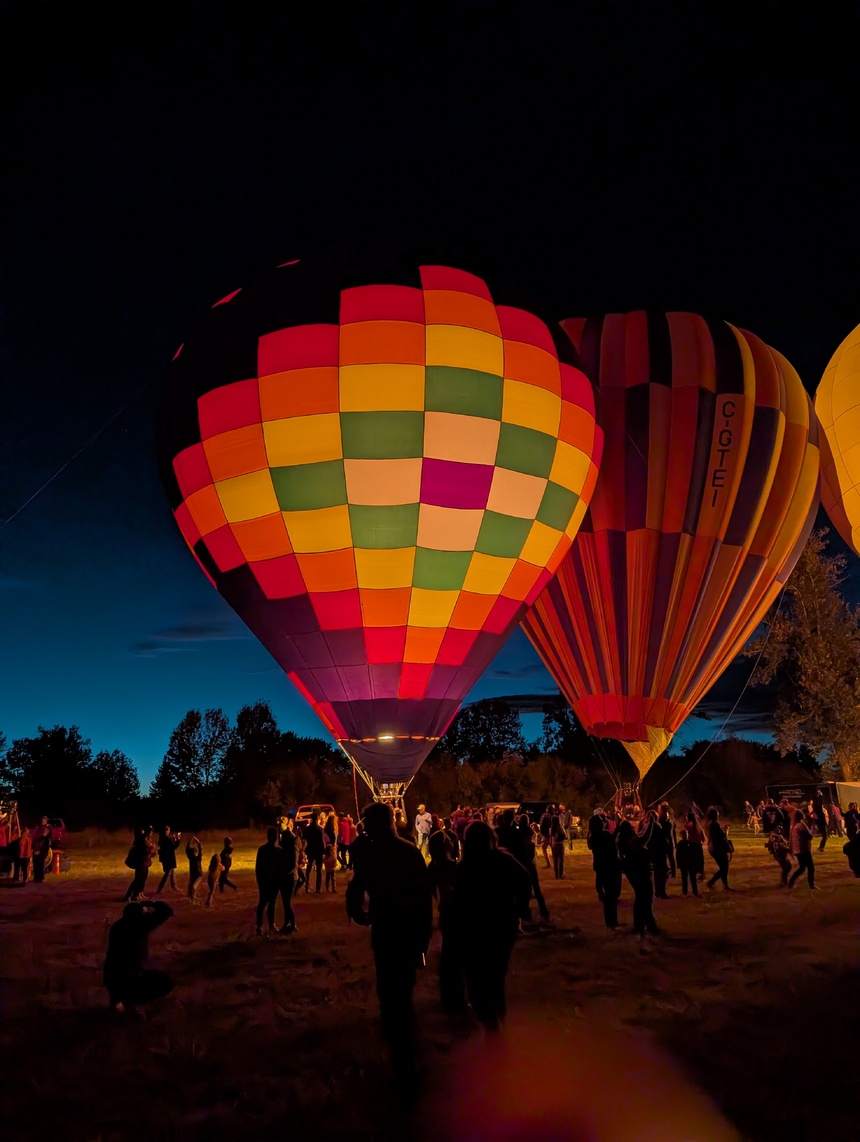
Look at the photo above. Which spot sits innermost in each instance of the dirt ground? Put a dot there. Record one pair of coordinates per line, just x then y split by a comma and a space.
746, 1007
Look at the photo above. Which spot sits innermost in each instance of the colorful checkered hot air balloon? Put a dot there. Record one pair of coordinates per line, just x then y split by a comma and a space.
378, 475
837, 405
707, 492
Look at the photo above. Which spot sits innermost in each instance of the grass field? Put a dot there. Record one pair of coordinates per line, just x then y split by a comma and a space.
746, 1006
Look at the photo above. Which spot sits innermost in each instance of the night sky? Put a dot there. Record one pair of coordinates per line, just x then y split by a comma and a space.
583, 158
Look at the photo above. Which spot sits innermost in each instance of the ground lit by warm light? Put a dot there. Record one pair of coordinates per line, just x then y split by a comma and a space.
604, 1029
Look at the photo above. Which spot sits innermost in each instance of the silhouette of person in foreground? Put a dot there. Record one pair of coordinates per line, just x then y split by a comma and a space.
267, 869
491, 893
390, 891
128, 980
636, 866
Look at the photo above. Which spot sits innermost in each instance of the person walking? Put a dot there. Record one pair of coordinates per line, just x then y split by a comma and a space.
719, 848
390, 891
491, 891
139, 859
423, 828
822, 822
315, 842
267, 868
443, 869
801, 848
836, 821
778, 847
167, 846
194, 856
566, 817
129, 981
226, 855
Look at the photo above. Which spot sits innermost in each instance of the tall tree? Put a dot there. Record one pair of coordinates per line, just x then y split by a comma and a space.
561, 732
49, 773
116, 778
812, 656
484, 731
195, 753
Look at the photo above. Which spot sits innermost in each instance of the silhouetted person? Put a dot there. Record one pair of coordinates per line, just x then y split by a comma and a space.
778, 848
315, 843
167, 846
852, 851
391, 891
851, 820
443, 869
194, 856
667, 824
226, 855
22, 855
801, 848
636, 866
213, 875
128, 980
821, 822
139, 859
685, 858
266, 870
607, 868
658, 854
287, 874
557, 837
491, 892
718, 847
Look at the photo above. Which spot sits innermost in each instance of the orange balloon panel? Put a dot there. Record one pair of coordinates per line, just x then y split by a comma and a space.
707, 491
837, 406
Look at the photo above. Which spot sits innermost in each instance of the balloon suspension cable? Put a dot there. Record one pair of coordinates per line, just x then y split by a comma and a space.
731, 712
72, 458
389, 792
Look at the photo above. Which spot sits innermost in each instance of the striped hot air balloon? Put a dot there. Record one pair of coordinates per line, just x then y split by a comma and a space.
378, 473
707, 492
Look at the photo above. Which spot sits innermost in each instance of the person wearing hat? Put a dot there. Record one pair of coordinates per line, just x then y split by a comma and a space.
423, 827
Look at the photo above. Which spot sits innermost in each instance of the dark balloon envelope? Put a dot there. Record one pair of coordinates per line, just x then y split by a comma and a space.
378, 471
707, 491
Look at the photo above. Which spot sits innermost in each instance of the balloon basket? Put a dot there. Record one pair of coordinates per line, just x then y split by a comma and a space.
391, 793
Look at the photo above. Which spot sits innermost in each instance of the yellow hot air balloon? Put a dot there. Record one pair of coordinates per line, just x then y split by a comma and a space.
837, 405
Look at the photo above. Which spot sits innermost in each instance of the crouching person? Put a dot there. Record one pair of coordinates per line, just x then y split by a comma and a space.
130, 983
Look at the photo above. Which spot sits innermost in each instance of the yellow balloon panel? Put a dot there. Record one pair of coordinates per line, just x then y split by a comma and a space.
837, 405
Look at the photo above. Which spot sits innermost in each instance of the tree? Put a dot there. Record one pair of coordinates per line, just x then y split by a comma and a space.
484, 731
118, 785
812, 656
195, 753
50, 772
562, 733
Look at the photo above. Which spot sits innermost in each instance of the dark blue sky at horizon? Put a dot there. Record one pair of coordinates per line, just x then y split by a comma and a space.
588, 158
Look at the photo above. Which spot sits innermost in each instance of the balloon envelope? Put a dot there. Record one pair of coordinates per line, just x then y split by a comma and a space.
837, 405
707, 492
378, 477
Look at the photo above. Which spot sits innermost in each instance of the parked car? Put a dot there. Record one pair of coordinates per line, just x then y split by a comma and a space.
58, 832
305, 812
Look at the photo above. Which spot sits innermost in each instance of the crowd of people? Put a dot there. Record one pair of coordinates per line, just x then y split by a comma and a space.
479, 868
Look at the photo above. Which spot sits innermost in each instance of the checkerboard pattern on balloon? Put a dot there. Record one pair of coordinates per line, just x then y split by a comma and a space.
417, 471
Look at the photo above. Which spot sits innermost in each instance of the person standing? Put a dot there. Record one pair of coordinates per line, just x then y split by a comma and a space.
194, 856
801, 849
778, 848
667, 824
851, 819
23, 856
226, 855
636, 866
167, 846
267, 868
557, 837
718, 847
545, 826
344, 840
315, 842
836, 820
390, 891
821, 822
491, 891
566, 818
423, 828
684, 858
287, 874
658, 853
607, 868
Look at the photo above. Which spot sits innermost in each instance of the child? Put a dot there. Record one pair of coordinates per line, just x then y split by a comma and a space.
194, 853
213, 876
777, 846
684, 858
330, 865
301, 863
224, 880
